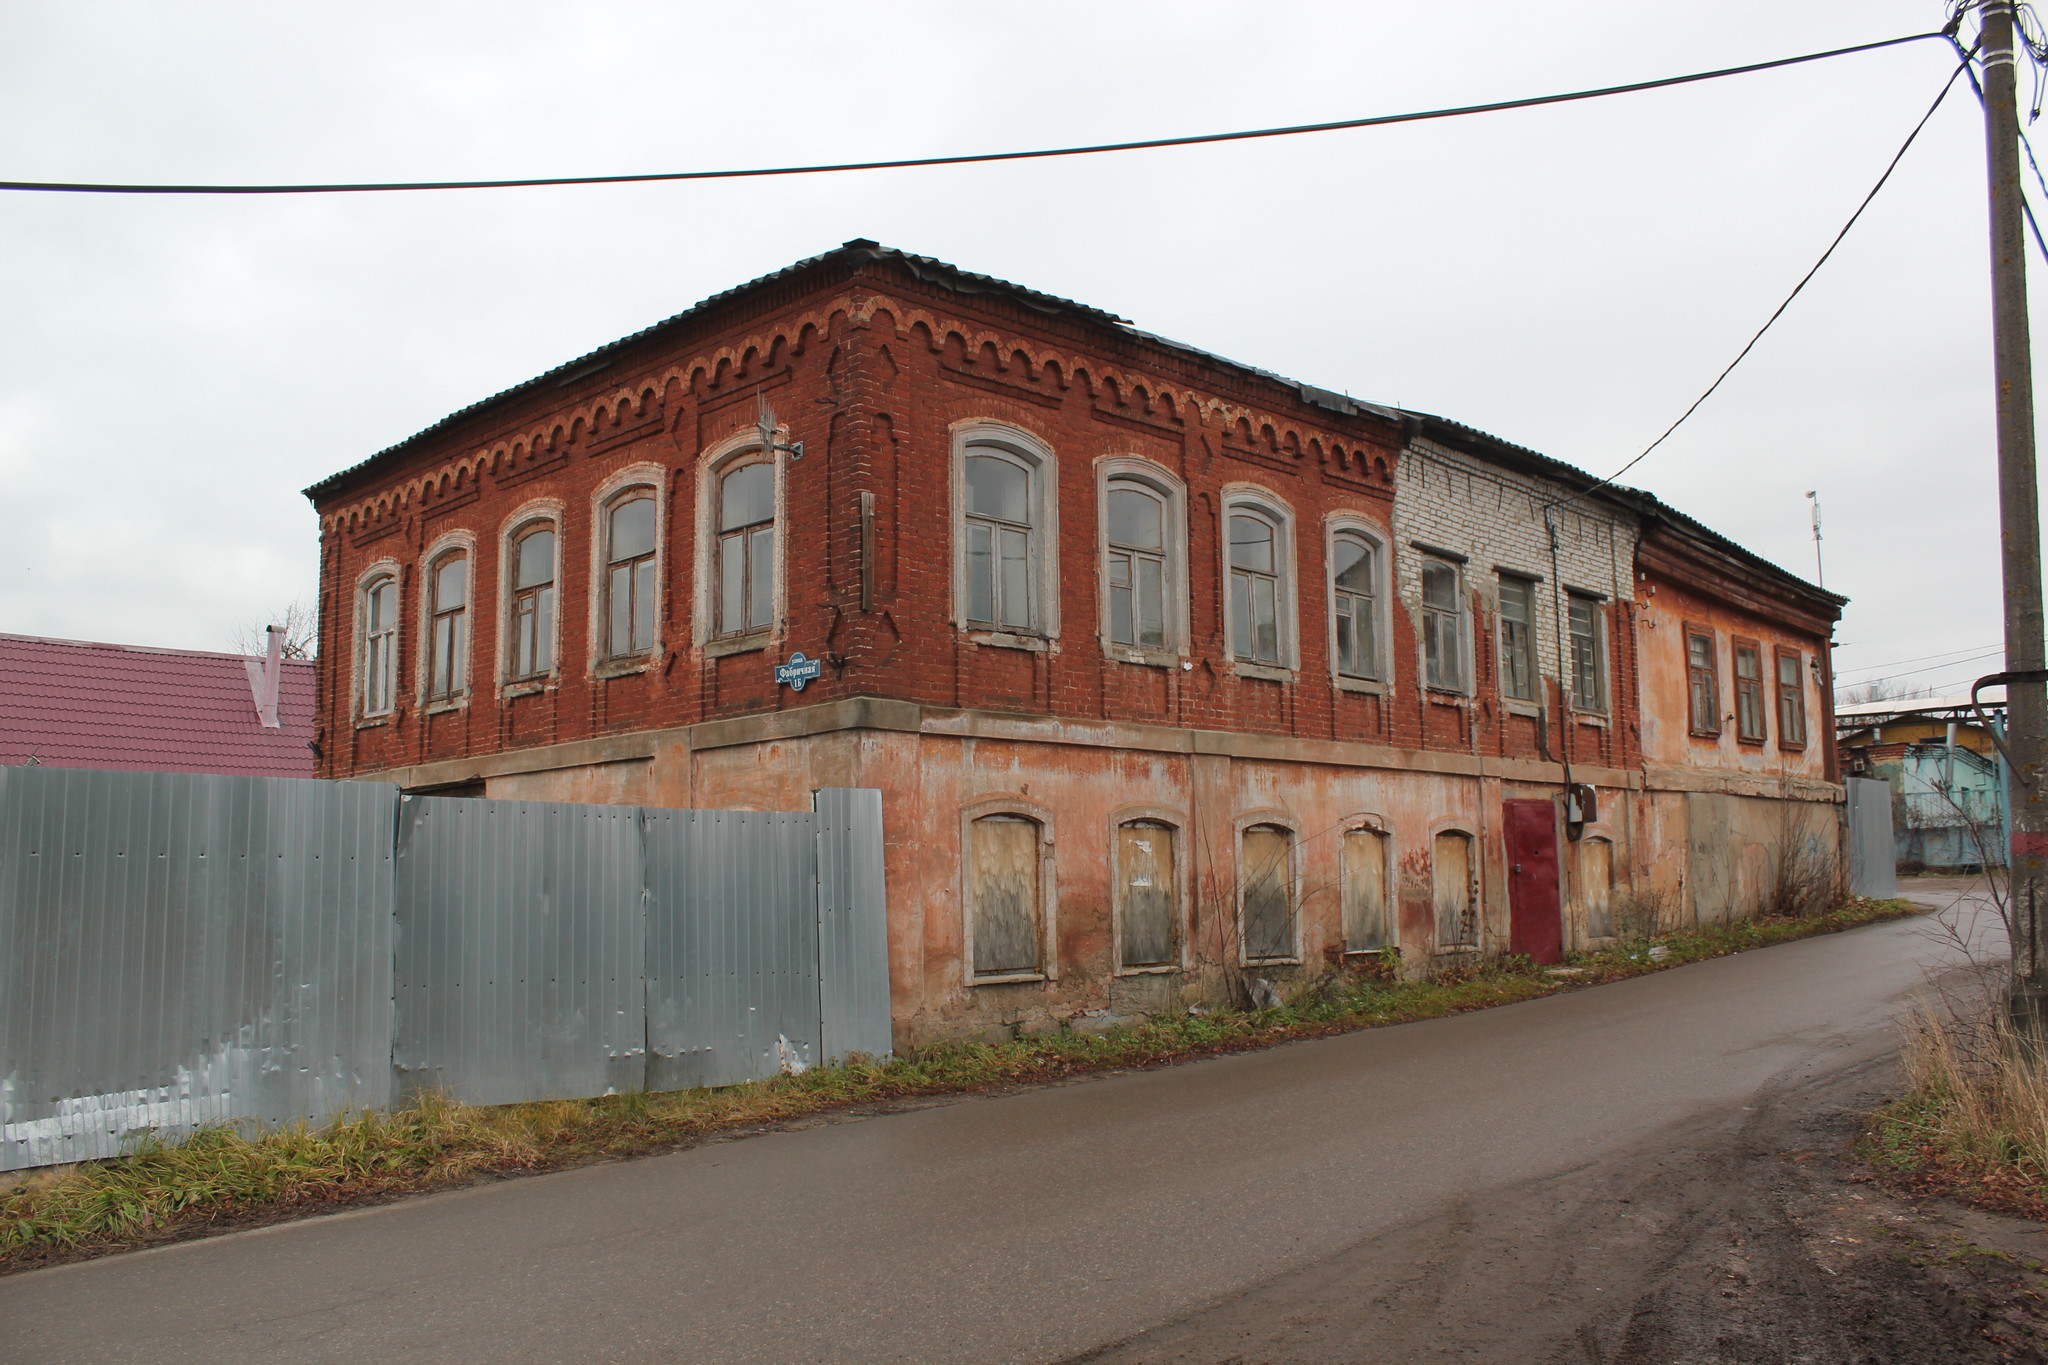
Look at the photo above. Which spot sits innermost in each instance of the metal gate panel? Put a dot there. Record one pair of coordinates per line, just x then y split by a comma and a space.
1873, 859
518, 954
853, 925
732, 946
181, 949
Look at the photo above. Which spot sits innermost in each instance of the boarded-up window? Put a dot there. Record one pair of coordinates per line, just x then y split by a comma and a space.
1144, 870
1003, 890
1264, 863
1596, 886
1365, 891
1456, 924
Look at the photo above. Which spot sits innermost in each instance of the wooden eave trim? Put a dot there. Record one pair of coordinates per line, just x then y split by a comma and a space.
1698, 568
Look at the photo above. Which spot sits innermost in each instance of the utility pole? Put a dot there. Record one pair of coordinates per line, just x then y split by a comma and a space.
2019, 525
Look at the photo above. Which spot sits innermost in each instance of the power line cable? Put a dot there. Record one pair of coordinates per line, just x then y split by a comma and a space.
2026, 209
1942, 654
1931, 668
90, 187
1779, 311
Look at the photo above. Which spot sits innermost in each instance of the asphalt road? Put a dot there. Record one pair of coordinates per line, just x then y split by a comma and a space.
1038, 1226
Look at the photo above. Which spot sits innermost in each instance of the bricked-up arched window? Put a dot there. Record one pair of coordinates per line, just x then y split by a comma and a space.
532, 634
380, 644
1354, 604
1005, 894
1148, 901
448, 627
1258, 586
746, 549
1002, 535
1265, 870
631, 582
1456, 888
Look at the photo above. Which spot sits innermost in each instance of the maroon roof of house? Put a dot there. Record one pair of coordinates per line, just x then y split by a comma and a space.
74, 704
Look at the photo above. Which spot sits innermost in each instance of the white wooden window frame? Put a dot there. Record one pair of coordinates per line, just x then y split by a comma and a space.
448, 542
359, 672
1352, 524
1257, 498
736, 451
621, 485
1035, 452
526, 517
1159, 481
1462, 616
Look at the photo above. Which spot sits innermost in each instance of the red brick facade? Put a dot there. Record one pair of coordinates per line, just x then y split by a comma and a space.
873, 368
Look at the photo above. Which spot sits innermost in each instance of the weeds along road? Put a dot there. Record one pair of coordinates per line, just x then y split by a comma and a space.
1481, 1187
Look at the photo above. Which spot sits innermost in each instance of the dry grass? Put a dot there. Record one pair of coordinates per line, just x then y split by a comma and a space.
223, 1178
1973, 1120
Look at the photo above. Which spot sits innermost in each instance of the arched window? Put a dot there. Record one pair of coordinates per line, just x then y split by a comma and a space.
1366, 926
1001, 532
1266, 881
1354, 598
746, 549
1257, 586
1457, 919
1136, 565
632, 586
532, 633
1147, 895
448, 627
1596, 885
1005, 895
380, 644
1443, 626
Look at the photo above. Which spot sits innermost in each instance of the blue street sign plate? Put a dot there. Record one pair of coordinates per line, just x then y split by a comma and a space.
798, 671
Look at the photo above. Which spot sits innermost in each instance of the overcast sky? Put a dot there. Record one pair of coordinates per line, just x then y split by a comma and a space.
174, 371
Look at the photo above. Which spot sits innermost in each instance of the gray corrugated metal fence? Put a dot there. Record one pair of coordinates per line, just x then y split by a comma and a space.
180, 950
1873, 864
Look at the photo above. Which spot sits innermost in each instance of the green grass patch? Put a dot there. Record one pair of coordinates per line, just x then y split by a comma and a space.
221, 1177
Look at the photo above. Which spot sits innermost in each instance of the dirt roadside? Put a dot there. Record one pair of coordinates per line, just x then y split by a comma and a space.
1750, 1240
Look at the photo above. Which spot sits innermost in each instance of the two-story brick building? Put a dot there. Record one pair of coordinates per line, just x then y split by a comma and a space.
1172, 671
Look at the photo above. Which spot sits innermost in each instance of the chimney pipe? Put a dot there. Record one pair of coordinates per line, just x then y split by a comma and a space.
273, 677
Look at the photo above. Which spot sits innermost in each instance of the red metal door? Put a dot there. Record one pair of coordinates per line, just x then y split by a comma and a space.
1535, 926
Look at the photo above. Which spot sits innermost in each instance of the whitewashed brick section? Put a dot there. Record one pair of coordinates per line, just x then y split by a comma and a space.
1494, 518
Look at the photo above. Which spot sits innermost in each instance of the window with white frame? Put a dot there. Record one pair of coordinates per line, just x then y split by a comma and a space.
632, 582
1265, 872
1354, 604
1005, 895
1517, 638
1001, 531
745, 593
1258, 584
1443, 626
380, 644
1136, 565
448, 626
1589, 654
530, 638
1147, 896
